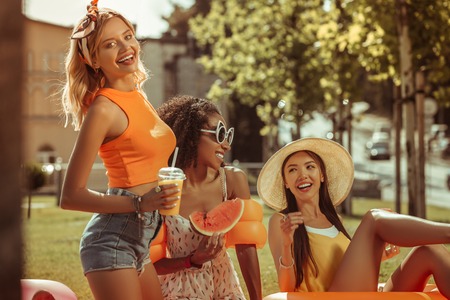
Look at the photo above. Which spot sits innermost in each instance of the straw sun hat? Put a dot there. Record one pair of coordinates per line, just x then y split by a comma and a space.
338, 164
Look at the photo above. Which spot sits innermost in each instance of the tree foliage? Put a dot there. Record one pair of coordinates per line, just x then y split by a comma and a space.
312, 54
429, 31
264, 52
178, 20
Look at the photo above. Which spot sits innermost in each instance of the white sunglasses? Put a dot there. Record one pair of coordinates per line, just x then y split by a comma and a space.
221, 133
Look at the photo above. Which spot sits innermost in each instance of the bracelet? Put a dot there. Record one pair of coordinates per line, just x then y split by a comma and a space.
286, 267
137, 206
189, 264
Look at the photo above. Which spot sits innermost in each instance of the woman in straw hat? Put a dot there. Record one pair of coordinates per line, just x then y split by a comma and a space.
312, 251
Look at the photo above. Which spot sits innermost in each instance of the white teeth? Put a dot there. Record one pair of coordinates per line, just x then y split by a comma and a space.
304, 185
219, 155
125, 58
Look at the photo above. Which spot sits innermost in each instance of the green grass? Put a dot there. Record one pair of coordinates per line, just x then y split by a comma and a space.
51, 240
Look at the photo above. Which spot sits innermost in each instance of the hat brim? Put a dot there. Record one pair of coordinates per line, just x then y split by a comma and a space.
338, 164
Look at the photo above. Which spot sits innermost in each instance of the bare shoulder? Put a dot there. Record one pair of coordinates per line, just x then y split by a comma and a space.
274, 228
235, 173
102, 103
104, 108
237, 184
275, 218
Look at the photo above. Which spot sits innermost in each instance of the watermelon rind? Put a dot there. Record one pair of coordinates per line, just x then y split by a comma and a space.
220, 219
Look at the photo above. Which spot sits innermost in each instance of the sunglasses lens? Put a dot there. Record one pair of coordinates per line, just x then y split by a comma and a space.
221, 134
230, 136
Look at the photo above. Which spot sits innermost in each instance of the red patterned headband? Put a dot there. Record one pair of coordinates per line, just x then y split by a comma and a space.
86, 28
87, 25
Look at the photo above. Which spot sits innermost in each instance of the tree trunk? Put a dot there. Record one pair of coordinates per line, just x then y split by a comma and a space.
420, 99
398, 149
348, 125
407, 92
29, 204
11, 32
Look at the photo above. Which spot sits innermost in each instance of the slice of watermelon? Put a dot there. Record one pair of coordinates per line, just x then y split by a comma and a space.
220, 219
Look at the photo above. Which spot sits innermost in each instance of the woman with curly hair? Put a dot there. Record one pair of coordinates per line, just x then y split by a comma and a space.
198, 267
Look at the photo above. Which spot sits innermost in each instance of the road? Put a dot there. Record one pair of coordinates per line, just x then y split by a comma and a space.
436, 169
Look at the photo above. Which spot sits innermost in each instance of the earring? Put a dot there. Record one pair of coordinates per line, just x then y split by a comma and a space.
95, 67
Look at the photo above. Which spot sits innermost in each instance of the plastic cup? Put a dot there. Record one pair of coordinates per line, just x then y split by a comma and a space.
171, 175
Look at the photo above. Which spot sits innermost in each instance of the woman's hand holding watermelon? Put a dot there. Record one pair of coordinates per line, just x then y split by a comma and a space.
208, 249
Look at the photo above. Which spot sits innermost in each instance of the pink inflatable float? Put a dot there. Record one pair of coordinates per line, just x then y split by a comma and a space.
41, 289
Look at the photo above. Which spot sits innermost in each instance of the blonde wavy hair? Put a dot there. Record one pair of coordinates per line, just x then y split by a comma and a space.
82, 81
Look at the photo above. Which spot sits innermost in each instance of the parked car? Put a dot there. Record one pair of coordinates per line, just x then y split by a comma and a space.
378, 136
382, 127
438, 140
445, 154
378, 149
366, 185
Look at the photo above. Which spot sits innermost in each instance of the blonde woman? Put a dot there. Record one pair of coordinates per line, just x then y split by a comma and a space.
104, 99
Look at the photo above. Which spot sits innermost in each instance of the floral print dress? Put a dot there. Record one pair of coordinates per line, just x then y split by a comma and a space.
217, 279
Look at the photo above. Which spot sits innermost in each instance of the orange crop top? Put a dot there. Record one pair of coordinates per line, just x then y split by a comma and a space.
134, 157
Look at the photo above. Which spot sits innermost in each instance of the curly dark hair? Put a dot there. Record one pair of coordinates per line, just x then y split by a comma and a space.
186, 115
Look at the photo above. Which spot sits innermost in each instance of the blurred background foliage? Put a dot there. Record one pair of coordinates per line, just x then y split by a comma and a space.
287, 58
312, 53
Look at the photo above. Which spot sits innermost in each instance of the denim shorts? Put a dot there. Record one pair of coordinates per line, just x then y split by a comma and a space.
118, 241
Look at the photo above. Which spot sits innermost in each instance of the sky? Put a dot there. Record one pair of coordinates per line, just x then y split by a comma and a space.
146, 14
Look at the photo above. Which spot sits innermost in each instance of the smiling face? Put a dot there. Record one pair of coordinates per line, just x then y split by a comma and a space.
302, 176
210, 152
118, 50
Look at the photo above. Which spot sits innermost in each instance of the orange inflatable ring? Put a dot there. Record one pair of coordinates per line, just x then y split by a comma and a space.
250, 229
158, 245
36, 289
430, 293
356, 296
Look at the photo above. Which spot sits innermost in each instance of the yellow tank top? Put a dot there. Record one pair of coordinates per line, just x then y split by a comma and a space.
327, 252
134, 157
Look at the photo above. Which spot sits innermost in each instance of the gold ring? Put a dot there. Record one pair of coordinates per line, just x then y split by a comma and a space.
158, 189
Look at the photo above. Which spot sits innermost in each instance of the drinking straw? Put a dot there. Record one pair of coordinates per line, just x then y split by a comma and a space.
174, 159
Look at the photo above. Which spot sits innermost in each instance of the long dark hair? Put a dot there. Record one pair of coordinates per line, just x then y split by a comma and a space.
186, 115
301, 251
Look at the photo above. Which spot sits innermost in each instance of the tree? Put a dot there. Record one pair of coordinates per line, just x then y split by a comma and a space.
264, 52
312, 55
34, 179
179, 19
411, 36
284, 58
